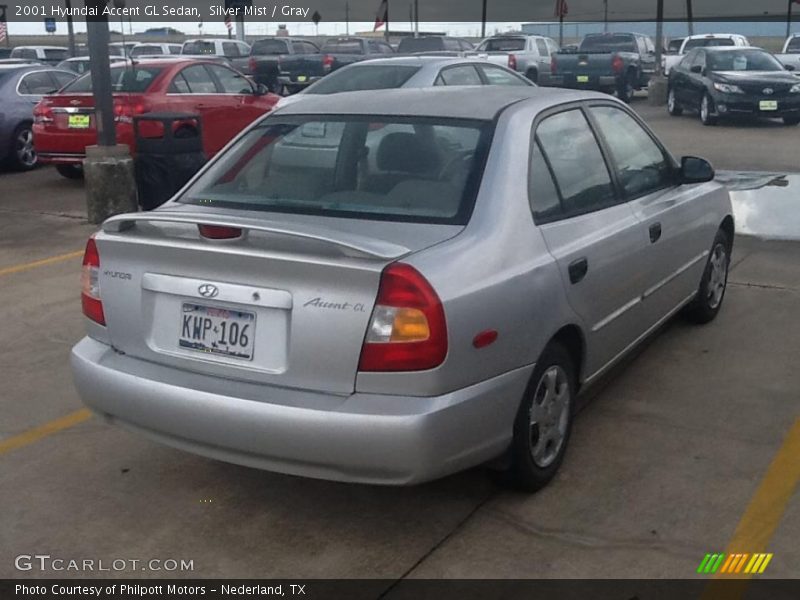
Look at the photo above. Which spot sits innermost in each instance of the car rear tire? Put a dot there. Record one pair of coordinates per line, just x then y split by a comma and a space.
707, 116
70, 171
533, 75
791, 121
673, 106
705, 307
23, 154
627, 88
544, 421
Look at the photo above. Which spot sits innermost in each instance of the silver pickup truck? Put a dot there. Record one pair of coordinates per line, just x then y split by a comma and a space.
790, 56
525, 54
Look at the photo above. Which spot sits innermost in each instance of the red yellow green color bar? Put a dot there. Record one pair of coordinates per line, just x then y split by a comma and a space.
734, 563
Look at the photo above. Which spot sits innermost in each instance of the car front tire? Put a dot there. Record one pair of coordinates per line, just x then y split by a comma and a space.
70, 171
706, 305
673, 106
707, 116
544, 421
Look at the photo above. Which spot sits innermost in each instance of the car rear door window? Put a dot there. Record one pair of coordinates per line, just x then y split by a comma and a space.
463, 75
577, 162
231, 81
640, 163
199, 80
497, 76
542, 191
179, 85
38, 84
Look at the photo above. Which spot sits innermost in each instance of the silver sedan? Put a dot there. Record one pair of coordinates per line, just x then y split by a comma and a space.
394, 286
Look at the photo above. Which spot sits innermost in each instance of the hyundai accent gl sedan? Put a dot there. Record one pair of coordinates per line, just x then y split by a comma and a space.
392, 286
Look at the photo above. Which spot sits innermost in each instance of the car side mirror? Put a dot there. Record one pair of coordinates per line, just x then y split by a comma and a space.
696, 69
790, 67
696, 170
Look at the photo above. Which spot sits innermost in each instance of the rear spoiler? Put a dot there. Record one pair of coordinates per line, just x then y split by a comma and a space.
351, 242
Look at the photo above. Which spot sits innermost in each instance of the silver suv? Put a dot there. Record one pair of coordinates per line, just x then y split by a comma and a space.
388, 287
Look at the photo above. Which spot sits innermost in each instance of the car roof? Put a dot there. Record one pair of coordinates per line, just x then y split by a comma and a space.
713, 36
483, 103
418, 61
730, 48
41, 47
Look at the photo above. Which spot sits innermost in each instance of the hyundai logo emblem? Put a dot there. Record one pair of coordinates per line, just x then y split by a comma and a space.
208, 291
769, 91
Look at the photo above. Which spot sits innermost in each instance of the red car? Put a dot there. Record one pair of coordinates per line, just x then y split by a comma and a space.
226, 101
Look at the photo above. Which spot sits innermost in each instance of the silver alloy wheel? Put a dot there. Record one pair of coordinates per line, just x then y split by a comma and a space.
671, 101
718, 277
26, 154
549, 416
705, 110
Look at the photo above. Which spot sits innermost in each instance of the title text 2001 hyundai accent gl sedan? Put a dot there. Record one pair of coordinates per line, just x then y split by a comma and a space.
393, 286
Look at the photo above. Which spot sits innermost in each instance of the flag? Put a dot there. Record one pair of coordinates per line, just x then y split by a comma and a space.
562, 10
383, 15
3, 31
228, 23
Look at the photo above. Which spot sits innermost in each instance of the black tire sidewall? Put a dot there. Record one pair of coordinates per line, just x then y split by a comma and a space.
699, 310
524, 474
12, 155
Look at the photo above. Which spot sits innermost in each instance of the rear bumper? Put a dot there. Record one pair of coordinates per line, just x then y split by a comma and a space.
365, 438
287, 80
63, 158
593, 82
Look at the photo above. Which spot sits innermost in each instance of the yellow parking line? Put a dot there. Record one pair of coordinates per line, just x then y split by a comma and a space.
40, 263
34, 435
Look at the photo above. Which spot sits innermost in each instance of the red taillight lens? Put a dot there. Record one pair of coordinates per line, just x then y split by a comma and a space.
42, 113
218, 232
90, 284
512, 62
327, 61
553, 65
251, 64
617, 64
124, 112
408, 331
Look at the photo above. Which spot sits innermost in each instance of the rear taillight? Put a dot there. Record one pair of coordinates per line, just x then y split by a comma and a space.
553, 65
512, 62
42, 114
327, 62
408, 331
251, 64
219, 232
617, 64
90, 284
124, 112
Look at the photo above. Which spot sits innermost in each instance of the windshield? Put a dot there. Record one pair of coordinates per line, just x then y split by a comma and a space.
399, 169
364, 77
123, 79
503, 45
198, 48
267, 47
707, 43
342, 47
608, 43
743, 60
794, 46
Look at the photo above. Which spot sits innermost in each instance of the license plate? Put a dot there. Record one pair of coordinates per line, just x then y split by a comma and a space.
219, 331
301, 78
583, 79
79, 121
768, 105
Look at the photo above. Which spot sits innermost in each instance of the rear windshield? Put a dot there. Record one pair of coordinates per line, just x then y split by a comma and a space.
143, 50
56, 54
702, 43
343, 47
397, 169
742, 60
198, 48
123, 79
608, 43
503, 45
364, 77
267, 47
411, 45
794, 46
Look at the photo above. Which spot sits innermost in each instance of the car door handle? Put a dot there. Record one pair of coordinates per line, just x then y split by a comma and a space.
577, 270
655, 232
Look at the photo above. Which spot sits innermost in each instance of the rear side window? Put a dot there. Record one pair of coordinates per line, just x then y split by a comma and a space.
542, 191
578, 166
199, 80
199, 48
55, 54
25, 53
269, 47
61, 78
398, 169
641, 165
37, 84
794, 46
364, 77
497, 76
123, 79
464, 75
503, 45
542, 48
231, 81
144, 50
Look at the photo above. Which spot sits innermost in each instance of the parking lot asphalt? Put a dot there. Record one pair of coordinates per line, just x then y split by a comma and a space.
684, 450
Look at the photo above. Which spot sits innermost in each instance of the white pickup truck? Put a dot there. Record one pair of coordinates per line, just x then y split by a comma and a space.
697, 41
528, 55
790, 56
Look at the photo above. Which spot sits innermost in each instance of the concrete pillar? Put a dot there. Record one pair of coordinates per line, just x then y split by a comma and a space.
657, 91
110, 182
